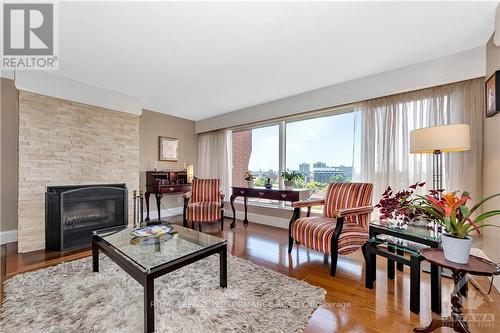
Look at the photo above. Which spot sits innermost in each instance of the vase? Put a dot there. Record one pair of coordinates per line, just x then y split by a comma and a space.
250, 183
456, 249
289, 184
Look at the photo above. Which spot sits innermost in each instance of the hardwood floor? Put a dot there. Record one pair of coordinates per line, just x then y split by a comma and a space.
349, 307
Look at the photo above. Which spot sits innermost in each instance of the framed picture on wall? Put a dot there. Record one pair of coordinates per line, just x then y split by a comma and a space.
168, 149
492, 90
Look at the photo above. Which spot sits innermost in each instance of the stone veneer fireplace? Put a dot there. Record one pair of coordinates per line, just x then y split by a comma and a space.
68, 143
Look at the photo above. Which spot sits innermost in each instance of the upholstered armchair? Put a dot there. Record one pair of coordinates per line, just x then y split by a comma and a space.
207, 203
343, 227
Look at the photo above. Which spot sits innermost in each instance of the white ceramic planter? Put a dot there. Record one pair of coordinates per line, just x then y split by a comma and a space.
456, 249
250, 183
289, 184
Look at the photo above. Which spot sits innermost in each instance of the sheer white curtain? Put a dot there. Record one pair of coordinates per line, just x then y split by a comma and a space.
382, 150
214, 157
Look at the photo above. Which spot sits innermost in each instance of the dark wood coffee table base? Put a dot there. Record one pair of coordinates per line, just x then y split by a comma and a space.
146, 279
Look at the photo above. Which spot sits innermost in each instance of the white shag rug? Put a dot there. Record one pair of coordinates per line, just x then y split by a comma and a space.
69, 297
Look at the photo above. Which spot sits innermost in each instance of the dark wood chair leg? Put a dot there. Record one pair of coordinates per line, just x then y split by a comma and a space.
334, 246
184, 213
334, 256
222, 218
233, 224
295, 216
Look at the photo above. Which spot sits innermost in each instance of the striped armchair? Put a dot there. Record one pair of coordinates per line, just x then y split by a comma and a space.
343, 227
207, 203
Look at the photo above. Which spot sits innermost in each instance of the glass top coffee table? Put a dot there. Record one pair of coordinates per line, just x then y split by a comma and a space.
145, 259
393, 243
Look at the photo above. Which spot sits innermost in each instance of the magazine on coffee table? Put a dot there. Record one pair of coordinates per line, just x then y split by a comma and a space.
153, 230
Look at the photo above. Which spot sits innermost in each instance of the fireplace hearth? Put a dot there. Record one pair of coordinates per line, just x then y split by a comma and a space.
72, 213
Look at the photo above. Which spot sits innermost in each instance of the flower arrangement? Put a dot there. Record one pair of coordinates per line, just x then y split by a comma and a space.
249, 176
452, 213
401, 204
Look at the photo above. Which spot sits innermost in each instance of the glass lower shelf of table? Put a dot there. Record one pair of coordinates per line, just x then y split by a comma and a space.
398, 244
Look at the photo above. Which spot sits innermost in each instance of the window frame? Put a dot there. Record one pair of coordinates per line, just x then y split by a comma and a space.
282, 122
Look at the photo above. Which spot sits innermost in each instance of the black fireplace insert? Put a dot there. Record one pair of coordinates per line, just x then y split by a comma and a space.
72, 213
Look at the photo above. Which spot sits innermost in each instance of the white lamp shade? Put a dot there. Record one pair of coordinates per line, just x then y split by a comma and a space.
447, 138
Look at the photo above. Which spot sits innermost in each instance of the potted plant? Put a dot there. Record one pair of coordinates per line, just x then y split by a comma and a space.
456, 218
399, 206
249, 177
290, 177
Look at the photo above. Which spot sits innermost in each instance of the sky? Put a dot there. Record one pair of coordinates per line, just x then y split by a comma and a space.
326, 139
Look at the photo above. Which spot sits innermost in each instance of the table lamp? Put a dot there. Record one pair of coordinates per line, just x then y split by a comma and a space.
190, 173
437, 140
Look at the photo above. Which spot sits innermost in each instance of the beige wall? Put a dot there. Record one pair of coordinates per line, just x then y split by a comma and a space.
68, 143
153, 125
491, 161
8, 151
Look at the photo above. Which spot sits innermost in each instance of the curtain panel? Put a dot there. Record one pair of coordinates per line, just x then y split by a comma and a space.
214, 157
382, 137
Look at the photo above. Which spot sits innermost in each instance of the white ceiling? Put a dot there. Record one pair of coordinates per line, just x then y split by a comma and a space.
198, 60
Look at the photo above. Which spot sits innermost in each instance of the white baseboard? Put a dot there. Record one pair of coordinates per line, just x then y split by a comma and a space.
260, 219
9, 236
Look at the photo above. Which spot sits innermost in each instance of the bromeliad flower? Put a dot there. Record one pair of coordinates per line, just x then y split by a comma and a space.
451, 212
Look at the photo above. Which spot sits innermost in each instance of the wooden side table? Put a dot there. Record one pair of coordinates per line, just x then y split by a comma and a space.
263, 193
475, 266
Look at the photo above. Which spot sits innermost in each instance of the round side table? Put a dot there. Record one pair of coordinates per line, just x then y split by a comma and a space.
475, 266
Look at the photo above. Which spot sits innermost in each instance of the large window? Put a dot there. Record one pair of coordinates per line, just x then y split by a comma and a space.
321, 149
257, 150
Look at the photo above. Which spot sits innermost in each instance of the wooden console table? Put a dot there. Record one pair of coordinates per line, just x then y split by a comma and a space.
162, 183
263, 193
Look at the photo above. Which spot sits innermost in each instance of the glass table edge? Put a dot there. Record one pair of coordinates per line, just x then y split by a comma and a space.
404, 232
140, 266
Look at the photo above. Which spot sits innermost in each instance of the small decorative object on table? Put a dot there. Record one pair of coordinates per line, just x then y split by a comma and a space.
452, 213
268, 184
249, 177
290, 177
152, 231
